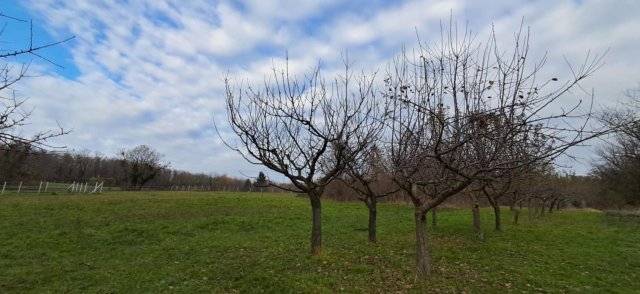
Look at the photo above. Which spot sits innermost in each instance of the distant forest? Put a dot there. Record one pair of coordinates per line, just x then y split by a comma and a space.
19, 163
143, 168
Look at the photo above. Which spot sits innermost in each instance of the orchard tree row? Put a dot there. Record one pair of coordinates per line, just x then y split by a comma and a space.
441, 119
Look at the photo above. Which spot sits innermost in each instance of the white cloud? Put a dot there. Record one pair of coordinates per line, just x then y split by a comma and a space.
151, 71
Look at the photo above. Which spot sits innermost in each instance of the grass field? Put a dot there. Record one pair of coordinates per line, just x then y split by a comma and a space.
165, 242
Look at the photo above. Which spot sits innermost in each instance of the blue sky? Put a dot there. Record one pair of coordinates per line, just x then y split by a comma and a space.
150, 71
17, 36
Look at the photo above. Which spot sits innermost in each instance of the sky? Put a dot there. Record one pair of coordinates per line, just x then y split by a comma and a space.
151, 71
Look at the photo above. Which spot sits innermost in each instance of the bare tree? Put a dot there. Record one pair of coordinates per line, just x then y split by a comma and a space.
459, 107
619, 167
526, 187
140, 165
500, 182
13, 115
624, 118
365, 175
304, 128
494, 191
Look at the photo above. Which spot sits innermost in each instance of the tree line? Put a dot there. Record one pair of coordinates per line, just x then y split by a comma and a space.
133, 169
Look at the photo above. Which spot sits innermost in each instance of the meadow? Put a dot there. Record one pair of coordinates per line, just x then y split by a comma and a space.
196, 242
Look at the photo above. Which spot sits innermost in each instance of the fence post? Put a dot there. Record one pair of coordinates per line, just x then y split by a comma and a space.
46, 187
3, 186
20, 187
85, 187
40, 187
95, 189
71, 187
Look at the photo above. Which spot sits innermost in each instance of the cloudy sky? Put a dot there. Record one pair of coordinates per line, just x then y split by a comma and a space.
150, 71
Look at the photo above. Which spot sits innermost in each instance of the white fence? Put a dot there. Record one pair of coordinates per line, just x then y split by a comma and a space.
98, 187
47, 187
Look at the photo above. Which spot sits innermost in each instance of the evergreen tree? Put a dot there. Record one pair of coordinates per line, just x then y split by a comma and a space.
261, 181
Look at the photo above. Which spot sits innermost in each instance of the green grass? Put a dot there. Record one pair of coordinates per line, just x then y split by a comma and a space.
182, 242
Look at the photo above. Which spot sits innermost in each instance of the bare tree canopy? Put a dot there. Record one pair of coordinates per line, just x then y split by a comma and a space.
463, 111
304, 128
619, 166
366, 176
13, 115
141, 164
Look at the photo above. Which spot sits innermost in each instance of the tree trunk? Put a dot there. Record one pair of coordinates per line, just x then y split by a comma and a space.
372, 221
316, 224
496, 212
516, 216
476, 219
553, 204
423, 260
